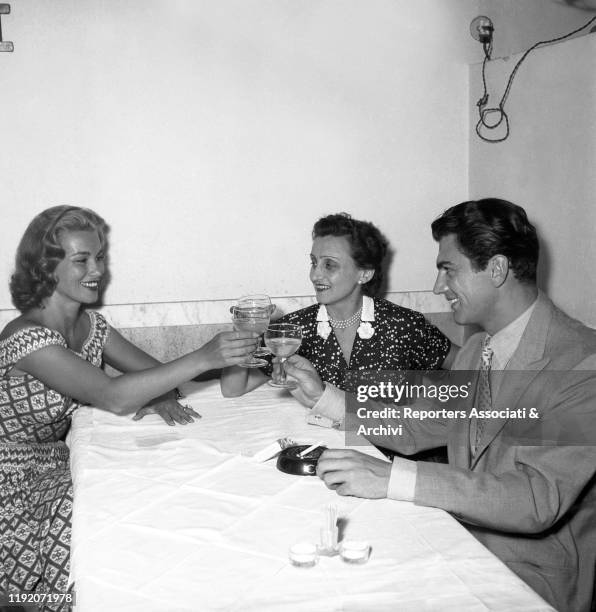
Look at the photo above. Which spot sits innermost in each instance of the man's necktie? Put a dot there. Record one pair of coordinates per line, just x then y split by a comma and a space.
483, 397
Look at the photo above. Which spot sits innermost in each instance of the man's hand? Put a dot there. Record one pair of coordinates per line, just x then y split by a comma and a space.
310, 387
170, 410
352, 473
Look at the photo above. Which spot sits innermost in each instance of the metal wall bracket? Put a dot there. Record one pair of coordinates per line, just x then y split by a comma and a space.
5, 45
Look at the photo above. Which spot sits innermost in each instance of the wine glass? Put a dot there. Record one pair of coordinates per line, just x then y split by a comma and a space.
257, 301
251, 319
283, 339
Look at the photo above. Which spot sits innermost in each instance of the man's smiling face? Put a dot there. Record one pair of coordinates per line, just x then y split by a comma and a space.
471, 293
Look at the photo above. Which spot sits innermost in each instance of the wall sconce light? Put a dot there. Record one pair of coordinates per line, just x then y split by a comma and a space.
491, 118
4, 44
482, 29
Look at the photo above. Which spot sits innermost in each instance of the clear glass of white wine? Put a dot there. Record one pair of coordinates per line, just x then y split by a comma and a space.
259, 300
251, 319
283, 339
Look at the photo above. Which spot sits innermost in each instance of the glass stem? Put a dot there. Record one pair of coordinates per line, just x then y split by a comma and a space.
282, 371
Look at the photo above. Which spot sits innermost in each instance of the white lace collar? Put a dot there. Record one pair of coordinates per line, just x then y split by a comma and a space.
365, 329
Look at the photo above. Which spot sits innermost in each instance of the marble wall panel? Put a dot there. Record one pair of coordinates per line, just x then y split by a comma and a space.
169, 330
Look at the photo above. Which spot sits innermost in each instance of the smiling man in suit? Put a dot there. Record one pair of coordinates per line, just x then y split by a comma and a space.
525, 487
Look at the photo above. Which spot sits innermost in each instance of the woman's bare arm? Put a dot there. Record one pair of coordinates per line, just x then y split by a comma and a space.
62, 370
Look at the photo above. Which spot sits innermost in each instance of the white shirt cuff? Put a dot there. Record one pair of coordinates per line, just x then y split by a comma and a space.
332, 404
402, 482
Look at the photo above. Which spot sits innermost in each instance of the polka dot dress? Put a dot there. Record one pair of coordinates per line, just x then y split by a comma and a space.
403, 340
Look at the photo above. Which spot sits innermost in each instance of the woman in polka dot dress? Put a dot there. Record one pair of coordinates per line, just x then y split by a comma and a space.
350, 329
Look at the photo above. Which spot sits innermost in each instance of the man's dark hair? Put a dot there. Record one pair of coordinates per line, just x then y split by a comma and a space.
488, 227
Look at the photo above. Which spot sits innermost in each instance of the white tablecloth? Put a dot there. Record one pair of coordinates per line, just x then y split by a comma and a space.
182, 518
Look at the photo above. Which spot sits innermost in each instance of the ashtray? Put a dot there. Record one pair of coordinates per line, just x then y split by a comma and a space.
290, 462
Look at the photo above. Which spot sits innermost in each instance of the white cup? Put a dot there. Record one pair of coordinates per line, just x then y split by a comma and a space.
303, 554
354, 551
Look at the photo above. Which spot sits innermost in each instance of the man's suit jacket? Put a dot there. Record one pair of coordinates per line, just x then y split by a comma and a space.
532, 503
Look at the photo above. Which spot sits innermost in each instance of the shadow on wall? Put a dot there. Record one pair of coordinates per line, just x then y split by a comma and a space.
586, 5
386, 267
544, 266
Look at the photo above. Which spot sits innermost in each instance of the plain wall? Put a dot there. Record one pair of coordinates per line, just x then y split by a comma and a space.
547, 163
212, 134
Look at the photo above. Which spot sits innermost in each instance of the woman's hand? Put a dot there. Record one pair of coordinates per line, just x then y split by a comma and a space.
228, 348
170, 410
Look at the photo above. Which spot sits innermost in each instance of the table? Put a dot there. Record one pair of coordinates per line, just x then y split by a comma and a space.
184, 519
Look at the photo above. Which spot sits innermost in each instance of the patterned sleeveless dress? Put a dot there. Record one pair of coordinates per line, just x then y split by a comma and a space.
35, 480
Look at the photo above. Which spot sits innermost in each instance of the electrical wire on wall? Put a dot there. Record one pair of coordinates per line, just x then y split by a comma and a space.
491, 118
5, 45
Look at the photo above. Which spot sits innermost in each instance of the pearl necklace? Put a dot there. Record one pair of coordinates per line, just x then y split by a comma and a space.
345, 323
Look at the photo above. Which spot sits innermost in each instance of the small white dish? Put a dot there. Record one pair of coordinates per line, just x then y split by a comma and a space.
354, 551
303, 554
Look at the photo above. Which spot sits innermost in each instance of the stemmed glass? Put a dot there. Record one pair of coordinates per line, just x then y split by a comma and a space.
283, 339
257, 301
251, 319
